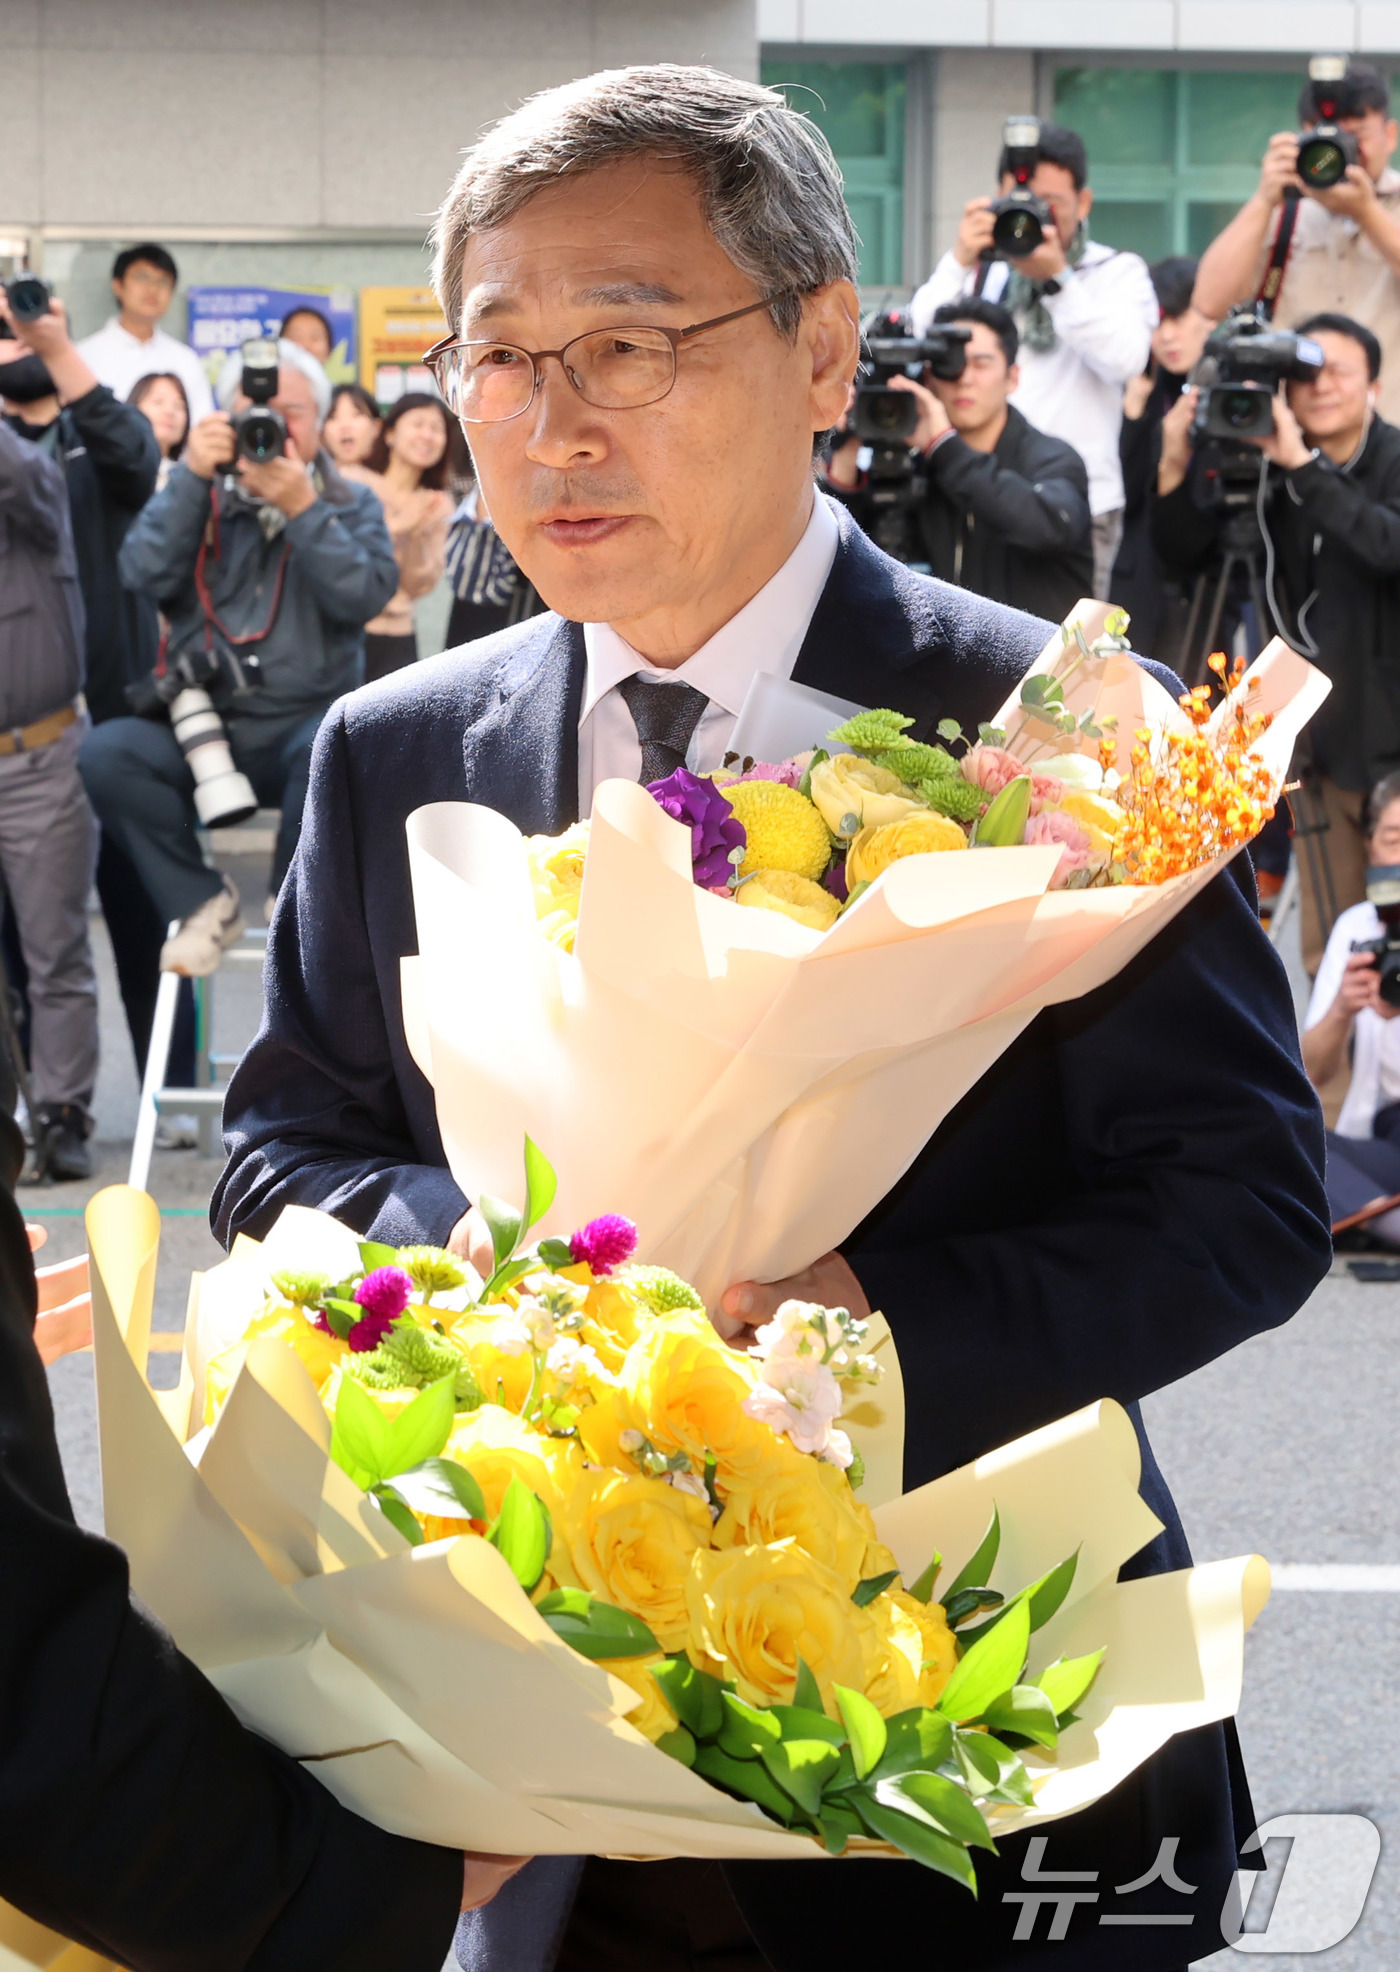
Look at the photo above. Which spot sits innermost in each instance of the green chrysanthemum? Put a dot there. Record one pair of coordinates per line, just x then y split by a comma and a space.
301, 1289
953, 796
431, 1268
410, 1358
662, 1290
871, 732
914, 762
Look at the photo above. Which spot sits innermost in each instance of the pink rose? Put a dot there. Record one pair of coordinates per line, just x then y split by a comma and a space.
1050, 827
990, 768
1046, 792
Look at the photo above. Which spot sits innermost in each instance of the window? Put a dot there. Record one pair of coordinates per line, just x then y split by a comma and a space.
1173, 154
859, 108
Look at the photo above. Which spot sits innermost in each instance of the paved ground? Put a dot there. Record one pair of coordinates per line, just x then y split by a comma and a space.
1287, 1447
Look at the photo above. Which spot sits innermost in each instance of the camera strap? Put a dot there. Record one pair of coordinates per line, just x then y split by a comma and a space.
212, 620
1267, 298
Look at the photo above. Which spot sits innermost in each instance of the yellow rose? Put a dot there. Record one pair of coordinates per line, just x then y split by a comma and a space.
783, 829
685, 1392
503, 1378
874, 849
938, 1653
600, 1427
320, 1353
612, 1316
805, 1501
1099, 817
631, 1542
555, 863
854, 794
560, 928
496, 1447
893, 1682
797, 897
653, 1718
755, 1610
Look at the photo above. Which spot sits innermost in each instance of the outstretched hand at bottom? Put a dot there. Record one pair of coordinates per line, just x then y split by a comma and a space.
748, 1304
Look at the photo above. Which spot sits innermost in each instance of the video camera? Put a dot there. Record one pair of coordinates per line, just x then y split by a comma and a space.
1021, 219
1243, 364
1325, 151
881, 415
1383, 890
259, 433
29, 296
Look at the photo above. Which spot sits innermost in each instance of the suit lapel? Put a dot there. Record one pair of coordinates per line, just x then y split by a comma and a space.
522, 756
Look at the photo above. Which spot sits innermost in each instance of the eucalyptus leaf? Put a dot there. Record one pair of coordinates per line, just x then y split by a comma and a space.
441, 1486
916, 1840
949, 729
990, 1668
933, 1798
504, 1223
864, 1728
865, 1592
522, 1533
801, 1768
979, 1565
541, 1184
1026, 1710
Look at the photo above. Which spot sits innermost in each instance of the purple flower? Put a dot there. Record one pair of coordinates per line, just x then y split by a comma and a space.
383, 1294
786, 773
368, 1333
714, 832
835, 881
604, 1243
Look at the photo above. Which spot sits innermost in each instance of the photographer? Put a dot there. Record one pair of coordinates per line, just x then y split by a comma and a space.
268, 573
1327, 496
1347, 1013
1084, 313
1007, 509
1344, 250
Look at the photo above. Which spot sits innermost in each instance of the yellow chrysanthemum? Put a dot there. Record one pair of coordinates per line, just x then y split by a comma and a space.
797, 897
784, 830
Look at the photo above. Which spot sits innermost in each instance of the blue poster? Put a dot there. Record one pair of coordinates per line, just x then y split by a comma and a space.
221, 319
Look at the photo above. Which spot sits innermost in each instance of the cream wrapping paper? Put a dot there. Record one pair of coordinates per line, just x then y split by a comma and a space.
421, 1686
745, 1088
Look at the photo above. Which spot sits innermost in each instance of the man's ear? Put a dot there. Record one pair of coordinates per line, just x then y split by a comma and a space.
1086, 203
116, 288
1392, 138
1013, 377
831, 330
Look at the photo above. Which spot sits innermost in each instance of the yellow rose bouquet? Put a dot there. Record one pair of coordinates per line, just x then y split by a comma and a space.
539, 1564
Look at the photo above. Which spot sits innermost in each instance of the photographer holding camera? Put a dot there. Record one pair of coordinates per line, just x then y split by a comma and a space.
1325, 493
1085, 314
1336, 249
1005, 509
268, 565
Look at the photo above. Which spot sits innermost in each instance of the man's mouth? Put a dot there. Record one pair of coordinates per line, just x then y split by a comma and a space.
583, 530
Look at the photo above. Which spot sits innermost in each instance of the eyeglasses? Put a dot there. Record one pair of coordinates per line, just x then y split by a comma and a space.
484, 383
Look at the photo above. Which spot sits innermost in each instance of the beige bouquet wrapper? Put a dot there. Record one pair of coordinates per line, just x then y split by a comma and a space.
744, 1088
422, 1687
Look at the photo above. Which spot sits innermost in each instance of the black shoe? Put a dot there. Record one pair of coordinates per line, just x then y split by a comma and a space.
61, 1150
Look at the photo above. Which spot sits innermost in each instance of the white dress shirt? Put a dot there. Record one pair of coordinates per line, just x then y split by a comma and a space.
119, 359
766, 635
1104, 316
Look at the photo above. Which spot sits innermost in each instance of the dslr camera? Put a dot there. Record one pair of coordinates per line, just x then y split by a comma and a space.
29, 296
180, 692
1020, 220
260, 433
1325, 151
1240, 371
1383, 890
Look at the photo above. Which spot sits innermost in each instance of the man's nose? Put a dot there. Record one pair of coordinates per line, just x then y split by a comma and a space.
564, 430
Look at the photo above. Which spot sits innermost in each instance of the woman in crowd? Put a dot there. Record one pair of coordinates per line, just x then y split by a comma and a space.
1347, 1015
160, 398
351, 429
408, 470
309, 328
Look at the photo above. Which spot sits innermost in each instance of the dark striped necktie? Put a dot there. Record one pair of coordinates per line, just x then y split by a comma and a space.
665, 717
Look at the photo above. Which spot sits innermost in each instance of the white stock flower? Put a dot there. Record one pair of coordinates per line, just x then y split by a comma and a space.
798, 1396
510, 1335
838, 1449
792, 1332
538, 1321
568, 1359
688, 1482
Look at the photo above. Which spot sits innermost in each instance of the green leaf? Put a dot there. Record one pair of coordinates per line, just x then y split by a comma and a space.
801, 1767
747, 1729
968, 1601
540, 1184
916, 1840
1034, 688
865, 1592
359, 1435
1066, 1680
504, 1223
990, 1668
933, 1798
506, 1276
1026, 1710
918, 1738
922, 1589
855, 1471
979, 1565
1046, 1595
677, 1744
441, 1486
594, 1628
990, 1768
373, 1253
807, 1692
396, 1512
804, 787
749, 1779
836, 1825
556, 1253
1004, 823
342, 1315
801, 1722
864, 1727
693, 1695
991, 735
421, 1428
949, 729
522, 1533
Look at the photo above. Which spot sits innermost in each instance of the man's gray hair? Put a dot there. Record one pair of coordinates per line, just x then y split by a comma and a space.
290, 356
770, 187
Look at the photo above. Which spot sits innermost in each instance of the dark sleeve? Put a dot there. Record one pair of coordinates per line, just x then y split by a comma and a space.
136, 1814
1139, 450
1187, 1173
345, 557
313, 1114
158, 555
120, 444
1040, 514
1364, 520
1181, 533
33, 494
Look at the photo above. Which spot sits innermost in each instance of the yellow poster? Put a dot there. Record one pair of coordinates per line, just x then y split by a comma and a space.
396, 326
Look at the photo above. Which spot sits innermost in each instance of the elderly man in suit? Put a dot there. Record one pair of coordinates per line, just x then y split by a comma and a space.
649, 277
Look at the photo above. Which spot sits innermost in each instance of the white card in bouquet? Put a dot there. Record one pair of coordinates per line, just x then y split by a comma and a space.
779, 719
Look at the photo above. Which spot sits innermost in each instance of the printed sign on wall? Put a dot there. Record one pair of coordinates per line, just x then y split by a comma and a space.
396, 326
221, 319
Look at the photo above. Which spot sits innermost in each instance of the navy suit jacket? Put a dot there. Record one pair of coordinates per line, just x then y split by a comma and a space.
1134, 1188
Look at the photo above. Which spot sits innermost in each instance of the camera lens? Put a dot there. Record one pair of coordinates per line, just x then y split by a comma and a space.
29, 297
261, 436
1239, 408
1322, 163
1017, 233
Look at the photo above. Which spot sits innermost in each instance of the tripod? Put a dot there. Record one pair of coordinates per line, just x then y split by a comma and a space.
1242, 552
890, 501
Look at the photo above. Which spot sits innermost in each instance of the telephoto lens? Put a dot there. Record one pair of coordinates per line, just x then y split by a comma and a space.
222, 796
28, 296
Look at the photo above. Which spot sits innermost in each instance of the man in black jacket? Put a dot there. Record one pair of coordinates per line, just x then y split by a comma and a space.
1331, 508
1007, 508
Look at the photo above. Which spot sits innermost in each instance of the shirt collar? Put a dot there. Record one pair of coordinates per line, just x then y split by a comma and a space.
765, 635
116, 328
